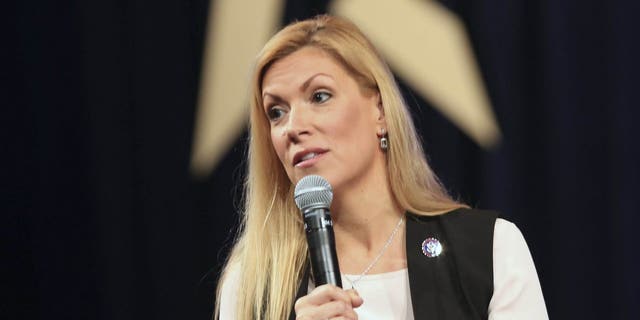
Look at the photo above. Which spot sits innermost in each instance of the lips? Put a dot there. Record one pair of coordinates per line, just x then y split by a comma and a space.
307, 156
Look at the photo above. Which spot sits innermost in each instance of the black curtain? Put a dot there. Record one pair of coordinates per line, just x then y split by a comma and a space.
101, 219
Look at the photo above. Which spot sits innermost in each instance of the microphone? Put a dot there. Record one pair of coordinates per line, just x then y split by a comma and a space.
313, 196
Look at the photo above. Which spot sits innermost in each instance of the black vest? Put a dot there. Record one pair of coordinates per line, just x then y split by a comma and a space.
457, 284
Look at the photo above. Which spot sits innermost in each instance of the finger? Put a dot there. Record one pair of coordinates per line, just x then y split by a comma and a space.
330, 310
356, 299
326, 293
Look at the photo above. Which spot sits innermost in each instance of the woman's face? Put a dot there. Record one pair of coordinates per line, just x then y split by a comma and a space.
321, 121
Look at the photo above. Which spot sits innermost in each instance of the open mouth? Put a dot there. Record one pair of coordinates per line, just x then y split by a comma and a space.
307, 157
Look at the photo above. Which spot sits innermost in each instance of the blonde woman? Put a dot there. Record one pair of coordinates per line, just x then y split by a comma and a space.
324, 102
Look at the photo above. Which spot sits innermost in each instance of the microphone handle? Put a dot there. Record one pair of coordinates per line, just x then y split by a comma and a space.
322, 247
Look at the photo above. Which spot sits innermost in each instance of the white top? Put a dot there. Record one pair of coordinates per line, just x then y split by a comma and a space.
516, 294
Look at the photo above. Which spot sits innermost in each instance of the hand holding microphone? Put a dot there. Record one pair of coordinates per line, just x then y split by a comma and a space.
313, 196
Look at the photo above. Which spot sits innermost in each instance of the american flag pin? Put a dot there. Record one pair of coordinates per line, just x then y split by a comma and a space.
431, 247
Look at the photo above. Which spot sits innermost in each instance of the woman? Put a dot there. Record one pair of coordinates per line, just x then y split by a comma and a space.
324, 102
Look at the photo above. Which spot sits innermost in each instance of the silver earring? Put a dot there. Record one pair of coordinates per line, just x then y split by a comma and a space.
384, 142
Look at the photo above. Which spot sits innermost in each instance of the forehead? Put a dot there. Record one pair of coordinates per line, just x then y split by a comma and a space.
298, 66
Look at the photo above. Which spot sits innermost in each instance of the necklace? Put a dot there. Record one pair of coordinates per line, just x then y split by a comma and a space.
375, 260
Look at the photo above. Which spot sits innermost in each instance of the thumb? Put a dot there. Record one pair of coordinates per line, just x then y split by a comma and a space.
356, 300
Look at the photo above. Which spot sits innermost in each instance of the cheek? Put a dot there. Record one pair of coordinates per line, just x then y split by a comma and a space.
357, 130
278, 143
352, 123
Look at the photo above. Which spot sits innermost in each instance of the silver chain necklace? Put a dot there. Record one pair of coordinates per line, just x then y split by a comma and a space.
375, 260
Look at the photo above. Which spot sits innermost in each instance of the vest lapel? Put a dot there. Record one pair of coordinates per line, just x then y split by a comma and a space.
422, 270
458, 283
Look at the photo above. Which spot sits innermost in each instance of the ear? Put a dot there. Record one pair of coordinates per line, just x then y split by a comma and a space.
380, 117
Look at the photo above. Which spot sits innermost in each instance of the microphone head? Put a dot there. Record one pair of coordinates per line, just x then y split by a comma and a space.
313, 191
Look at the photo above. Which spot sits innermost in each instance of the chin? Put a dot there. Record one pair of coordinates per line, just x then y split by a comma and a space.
296, 176
333, 181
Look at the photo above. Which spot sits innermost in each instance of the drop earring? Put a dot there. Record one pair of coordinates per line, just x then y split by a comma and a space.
384, 142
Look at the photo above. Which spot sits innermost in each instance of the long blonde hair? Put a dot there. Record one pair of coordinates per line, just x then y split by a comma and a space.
270, 251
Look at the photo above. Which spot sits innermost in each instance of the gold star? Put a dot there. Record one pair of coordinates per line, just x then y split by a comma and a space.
424, 43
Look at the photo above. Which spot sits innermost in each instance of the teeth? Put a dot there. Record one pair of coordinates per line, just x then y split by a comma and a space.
308, 156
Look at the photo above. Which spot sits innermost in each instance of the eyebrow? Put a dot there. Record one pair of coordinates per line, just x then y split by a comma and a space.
306, 84
303, 87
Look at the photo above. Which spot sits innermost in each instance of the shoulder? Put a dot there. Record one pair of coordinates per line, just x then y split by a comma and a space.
517, 292
458, 215
467, 233
510, 248
462, 222
229, 292
506, 233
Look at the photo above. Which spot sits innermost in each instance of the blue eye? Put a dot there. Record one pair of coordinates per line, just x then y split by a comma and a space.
320, 96
274, 113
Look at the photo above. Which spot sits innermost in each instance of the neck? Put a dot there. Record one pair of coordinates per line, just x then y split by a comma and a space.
364, 218
365, 214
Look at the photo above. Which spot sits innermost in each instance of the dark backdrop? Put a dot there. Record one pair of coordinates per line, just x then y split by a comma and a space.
101, 219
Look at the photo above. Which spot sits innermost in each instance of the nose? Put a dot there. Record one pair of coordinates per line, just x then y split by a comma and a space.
298, 123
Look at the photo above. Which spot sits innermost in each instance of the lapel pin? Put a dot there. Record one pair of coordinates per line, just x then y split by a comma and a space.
431, 247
